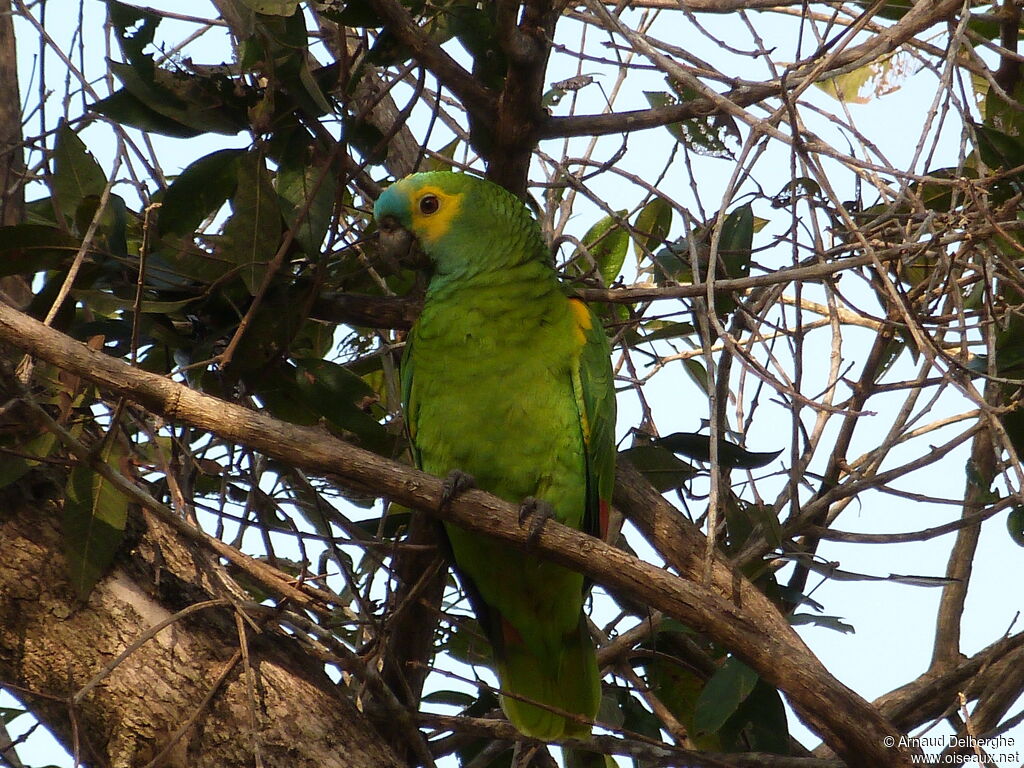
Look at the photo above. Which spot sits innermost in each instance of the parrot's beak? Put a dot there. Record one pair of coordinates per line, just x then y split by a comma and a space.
398, 246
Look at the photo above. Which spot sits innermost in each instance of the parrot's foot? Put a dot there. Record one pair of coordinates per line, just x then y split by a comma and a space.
457, 483
538, 509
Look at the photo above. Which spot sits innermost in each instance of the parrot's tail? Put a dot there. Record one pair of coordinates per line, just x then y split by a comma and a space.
571, 683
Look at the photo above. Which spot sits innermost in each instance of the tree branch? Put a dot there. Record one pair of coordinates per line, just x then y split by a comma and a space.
402, 311
729, 609
982, 470
474, 97
917, 19
527, 46
56, 655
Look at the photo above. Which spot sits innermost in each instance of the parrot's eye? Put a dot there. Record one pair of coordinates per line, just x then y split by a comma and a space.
429, 205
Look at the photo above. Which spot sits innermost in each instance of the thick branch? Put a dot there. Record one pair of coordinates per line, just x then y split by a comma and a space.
730, 609
370, 311
12, 162
403, 26
186, 688
379, 109
527, 46
12, 165
981, 472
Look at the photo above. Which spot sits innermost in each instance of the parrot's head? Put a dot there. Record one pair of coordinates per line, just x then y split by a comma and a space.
463, 224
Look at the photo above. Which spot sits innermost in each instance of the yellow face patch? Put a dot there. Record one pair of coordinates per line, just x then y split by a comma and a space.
432, 212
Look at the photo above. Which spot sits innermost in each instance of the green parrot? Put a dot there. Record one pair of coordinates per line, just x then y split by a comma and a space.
508, 379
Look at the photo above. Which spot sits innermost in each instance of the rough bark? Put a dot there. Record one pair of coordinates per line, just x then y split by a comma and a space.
190, 676
13, 289
12, 164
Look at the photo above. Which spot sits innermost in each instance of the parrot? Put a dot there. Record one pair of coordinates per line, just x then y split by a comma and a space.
507, 379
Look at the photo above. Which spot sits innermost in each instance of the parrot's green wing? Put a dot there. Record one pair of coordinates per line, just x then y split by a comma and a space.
410, 410
595, 398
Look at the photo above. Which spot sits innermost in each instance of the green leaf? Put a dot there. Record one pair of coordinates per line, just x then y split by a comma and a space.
894, 10
30, 248
475, 26
723, 694
389, 526
108, 304
635, 716
76, 174
828, 622
12, 469
449, 698
1013, 423
737, 241
1015, 525
652, 227
469, 750
703, 135
125, 108
135, 29
354, 13
800, 188
300, 180
8, 714
698, 446
998, 149
280, 49
200, 190
252, 234
1002, 115
205, 105
673, 262
335, 394
112, 228
661, 468
655, 330
735, 247
365, 137
273, 7
607, 242
759, 725
387, 50
659, 99
169, 101
311, 391
678, 687
466, 642
277, 393
744, 517
697, 371
442, 160
95, 516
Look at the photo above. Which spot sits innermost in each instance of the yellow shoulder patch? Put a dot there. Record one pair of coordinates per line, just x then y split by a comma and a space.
431, 227
584, 320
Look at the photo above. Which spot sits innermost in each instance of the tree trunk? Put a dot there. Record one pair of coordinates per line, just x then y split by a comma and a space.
187, 696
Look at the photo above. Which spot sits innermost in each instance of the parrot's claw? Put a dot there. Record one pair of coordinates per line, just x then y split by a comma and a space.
541, 511
457, 483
